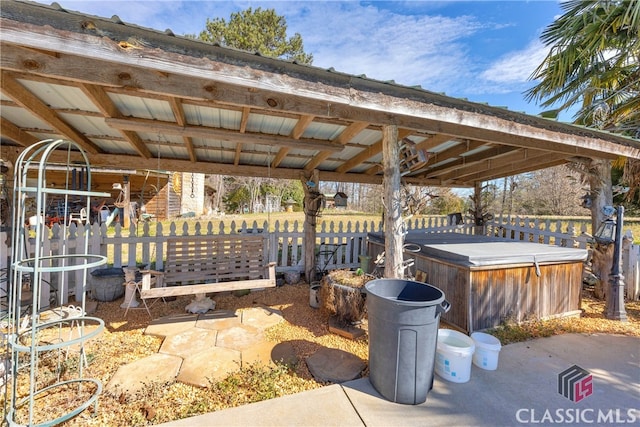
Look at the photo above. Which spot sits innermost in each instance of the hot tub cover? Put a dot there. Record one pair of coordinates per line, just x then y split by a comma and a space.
480, 251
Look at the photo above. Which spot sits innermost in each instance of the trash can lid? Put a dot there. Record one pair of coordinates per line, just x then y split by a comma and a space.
407, 292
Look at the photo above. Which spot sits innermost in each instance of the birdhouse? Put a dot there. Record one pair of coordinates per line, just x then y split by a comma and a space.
340, 200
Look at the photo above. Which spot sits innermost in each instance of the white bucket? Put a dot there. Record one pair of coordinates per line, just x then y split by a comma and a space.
314, 300
453, 356
487, 350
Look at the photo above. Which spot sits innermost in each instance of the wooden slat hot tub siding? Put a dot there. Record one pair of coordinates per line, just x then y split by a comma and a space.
516, 293
485, 297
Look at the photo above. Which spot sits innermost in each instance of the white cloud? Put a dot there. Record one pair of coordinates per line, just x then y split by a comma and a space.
515, 68
409, 49
410, 43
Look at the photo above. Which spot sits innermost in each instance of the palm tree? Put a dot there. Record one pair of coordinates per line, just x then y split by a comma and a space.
594, 63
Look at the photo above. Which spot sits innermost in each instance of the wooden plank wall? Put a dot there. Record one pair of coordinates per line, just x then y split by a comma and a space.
516, 293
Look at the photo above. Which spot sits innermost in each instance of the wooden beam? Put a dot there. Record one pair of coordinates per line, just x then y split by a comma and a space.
517, 168
244, 119
145, 125
282, 153
21, 96
469, 160
14, 133
402, 133
351, 131
434, 141
243, 128
361, 157
196, 78
296, 133
345, 136
316, 160
135, 162
101, 100
178, 113
453, 152
301, 126
495, 167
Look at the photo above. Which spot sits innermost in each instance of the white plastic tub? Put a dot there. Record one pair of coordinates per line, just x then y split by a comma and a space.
487, 351
454, 352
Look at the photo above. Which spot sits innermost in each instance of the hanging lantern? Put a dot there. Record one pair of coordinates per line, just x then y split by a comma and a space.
606, 233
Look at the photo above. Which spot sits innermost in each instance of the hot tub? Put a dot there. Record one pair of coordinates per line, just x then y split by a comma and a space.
489, 280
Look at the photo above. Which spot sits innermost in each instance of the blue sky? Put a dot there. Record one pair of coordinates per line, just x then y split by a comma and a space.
484, 51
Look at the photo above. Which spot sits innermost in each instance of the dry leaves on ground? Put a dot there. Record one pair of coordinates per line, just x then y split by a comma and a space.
123, 341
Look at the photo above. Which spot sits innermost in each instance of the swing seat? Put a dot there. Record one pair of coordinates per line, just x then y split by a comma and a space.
203, 264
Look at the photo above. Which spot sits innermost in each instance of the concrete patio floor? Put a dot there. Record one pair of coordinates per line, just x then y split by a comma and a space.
522, 391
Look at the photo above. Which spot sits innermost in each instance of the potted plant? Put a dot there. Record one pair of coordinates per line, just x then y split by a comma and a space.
342, 295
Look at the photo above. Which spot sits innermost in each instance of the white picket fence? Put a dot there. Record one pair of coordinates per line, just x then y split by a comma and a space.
142, 247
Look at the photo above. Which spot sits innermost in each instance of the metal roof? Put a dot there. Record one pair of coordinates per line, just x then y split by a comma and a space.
144, 99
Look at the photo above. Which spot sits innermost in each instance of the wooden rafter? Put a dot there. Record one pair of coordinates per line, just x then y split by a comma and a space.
489, 166
181, 120
469, 160
345, 136
146, 125
47, 46
12, 88
13, 132
516, 168
296, 133
373, 170
108, 109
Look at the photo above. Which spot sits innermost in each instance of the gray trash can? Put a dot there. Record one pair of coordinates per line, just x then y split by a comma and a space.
404, 317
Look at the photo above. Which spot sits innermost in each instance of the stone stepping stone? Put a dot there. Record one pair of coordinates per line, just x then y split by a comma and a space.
261, 317
189, 342
132, 377
219, 319
284, 353
334, 365
172, 324
207, 366
239, 337
268, 353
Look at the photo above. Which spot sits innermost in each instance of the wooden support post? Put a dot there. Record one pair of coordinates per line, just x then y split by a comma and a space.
311, 185
393, 229
126, 211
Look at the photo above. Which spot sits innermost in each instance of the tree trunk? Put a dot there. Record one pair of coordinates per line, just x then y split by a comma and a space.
393, 236
601, 196
312, 201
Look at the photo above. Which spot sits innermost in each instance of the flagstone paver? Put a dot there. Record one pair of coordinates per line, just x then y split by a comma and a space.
171, 324
269, 353
189, 342
213, 364
202, 348
258, 353
239, 337
219, 319
133, 376
261, 317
